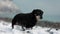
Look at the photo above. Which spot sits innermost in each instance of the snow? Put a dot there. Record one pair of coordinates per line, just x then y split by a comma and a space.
5, 28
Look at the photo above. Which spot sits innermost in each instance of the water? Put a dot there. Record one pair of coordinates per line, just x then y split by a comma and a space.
54, 18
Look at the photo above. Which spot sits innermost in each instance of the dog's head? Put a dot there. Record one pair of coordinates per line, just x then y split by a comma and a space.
38, 13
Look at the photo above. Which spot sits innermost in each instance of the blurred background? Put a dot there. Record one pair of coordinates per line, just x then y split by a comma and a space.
51, 8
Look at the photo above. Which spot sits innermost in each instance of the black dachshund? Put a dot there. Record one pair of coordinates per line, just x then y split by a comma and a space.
27, 20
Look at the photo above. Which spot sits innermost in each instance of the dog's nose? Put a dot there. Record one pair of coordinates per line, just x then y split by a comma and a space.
41, 17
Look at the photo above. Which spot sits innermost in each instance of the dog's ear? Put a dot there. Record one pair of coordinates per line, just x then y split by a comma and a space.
37, 11
41, 15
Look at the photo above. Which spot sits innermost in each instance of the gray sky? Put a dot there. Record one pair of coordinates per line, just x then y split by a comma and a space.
50, 7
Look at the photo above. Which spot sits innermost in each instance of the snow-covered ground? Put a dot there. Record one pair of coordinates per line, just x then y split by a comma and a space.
5, 28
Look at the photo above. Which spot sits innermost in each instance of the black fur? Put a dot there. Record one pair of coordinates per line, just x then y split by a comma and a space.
27, 20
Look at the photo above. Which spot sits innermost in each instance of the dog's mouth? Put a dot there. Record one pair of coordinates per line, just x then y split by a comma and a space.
39, 17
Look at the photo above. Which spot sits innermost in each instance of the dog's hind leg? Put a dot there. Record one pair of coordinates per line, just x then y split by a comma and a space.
23, 29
